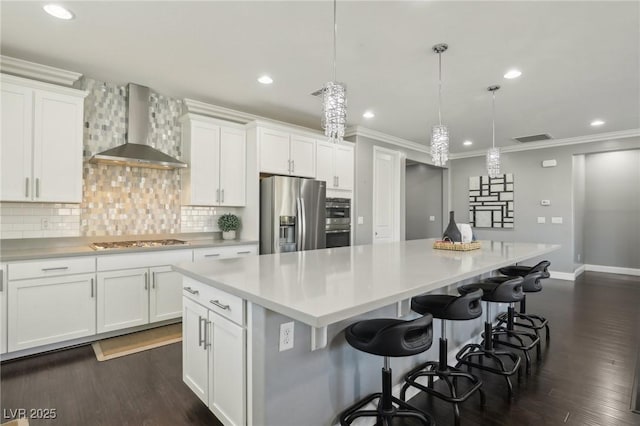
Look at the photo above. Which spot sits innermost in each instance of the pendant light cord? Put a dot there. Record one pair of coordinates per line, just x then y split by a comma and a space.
493, 119
439, 88
335, 32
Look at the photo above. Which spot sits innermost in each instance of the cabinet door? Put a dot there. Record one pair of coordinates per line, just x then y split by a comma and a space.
202, 185
50, 310
165, 297
195, 355
303, 156
233, 164
324, 163
274, 152
57, 157
123, 299
16, 143
3, 309
227, 371
344, 166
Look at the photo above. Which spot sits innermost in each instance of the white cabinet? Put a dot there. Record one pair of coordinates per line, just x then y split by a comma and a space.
213, 351
50, 310
224, 252
335, 165
286, 153
216, 153
3, 308
123, 299
147, 291
41, 141
165, 295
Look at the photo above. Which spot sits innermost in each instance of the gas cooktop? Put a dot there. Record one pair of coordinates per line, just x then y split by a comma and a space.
138, 243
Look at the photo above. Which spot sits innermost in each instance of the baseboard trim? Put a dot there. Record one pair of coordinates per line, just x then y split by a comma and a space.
613, 269
567, 276
579, 271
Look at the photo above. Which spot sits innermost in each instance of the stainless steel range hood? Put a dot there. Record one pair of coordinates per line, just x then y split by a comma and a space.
136, 152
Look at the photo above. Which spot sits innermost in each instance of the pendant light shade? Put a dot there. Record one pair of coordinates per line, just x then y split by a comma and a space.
334, 98
493, 154
439, 132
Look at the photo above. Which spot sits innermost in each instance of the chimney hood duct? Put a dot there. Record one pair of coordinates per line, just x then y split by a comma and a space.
135, 152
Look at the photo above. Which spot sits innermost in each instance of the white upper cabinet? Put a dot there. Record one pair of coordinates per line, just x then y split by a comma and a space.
335, 165
216, 153
41, 141
286, 153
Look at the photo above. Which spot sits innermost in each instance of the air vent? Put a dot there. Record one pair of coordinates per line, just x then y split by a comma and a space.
318, 92
533, 138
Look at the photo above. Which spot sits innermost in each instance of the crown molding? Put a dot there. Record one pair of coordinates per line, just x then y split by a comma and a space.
383, 137
36, 71
554, 143
36, 84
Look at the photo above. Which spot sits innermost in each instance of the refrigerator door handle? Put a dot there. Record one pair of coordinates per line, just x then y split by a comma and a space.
298, 224
303, 224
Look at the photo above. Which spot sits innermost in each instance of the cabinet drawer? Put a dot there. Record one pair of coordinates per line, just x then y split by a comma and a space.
110, 262
224, 252
218, 301
51, 267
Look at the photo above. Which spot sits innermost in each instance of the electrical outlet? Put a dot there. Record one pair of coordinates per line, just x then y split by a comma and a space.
44, 223
360, 220
432, 218
286, 336
542, 219
556, 219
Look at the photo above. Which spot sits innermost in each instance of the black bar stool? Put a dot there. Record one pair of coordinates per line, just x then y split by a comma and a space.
505, 363
389, 338
444, 307
532, 276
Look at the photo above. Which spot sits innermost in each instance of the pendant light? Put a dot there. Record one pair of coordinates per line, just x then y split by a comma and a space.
439, 132
334, 98
493, 154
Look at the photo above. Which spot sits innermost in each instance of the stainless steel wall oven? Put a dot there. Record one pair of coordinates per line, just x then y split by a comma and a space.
338, 227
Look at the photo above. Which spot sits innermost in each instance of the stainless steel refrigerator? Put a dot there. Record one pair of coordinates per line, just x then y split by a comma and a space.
292, 214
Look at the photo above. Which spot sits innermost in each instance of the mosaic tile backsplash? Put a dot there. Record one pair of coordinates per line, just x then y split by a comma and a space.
117, 200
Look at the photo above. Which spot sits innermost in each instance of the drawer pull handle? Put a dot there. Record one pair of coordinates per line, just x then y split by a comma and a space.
192, 291
219, 305
59, 268
212, 255
244, 252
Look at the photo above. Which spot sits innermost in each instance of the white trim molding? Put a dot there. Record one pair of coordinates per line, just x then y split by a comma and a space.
566, 276
383, 137
613, 269
554, 143
36, 71
35, 84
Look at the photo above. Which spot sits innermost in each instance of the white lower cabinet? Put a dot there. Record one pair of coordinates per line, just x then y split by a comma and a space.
123, 299
213, 354
50, 310
165, 295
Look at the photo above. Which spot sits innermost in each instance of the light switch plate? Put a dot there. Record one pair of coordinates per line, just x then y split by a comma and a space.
556, 219
360, 220
542, 219
432, 218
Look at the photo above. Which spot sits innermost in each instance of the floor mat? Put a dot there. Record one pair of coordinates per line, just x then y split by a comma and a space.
116, 347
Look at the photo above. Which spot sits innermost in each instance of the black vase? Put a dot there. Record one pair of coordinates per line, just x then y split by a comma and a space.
452, 233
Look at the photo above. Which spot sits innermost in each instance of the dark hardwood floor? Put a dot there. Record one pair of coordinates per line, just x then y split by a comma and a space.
585, 378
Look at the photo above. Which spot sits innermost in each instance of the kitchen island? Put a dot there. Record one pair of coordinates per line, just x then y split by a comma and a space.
322, 291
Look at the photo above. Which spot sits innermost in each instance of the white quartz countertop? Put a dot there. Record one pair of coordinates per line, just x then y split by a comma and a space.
321, 287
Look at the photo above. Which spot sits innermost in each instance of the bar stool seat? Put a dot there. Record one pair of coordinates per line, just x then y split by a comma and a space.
446, 307
389, 337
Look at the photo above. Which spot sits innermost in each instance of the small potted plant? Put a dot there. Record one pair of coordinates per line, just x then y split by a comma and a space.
229, 223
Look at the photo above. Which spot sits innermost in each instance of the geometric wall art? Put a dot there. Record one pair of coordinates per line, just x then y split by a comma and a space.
491, 201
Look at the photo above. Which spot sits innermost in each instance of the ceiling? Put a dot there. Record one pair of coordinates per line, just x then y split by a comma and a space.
579, 60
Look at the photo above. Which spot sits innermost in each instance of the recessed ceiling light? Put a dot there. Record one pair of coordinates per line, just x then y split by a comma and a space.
58, 11
513, 74
368, 114
467, 143
597, 123
265, 79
